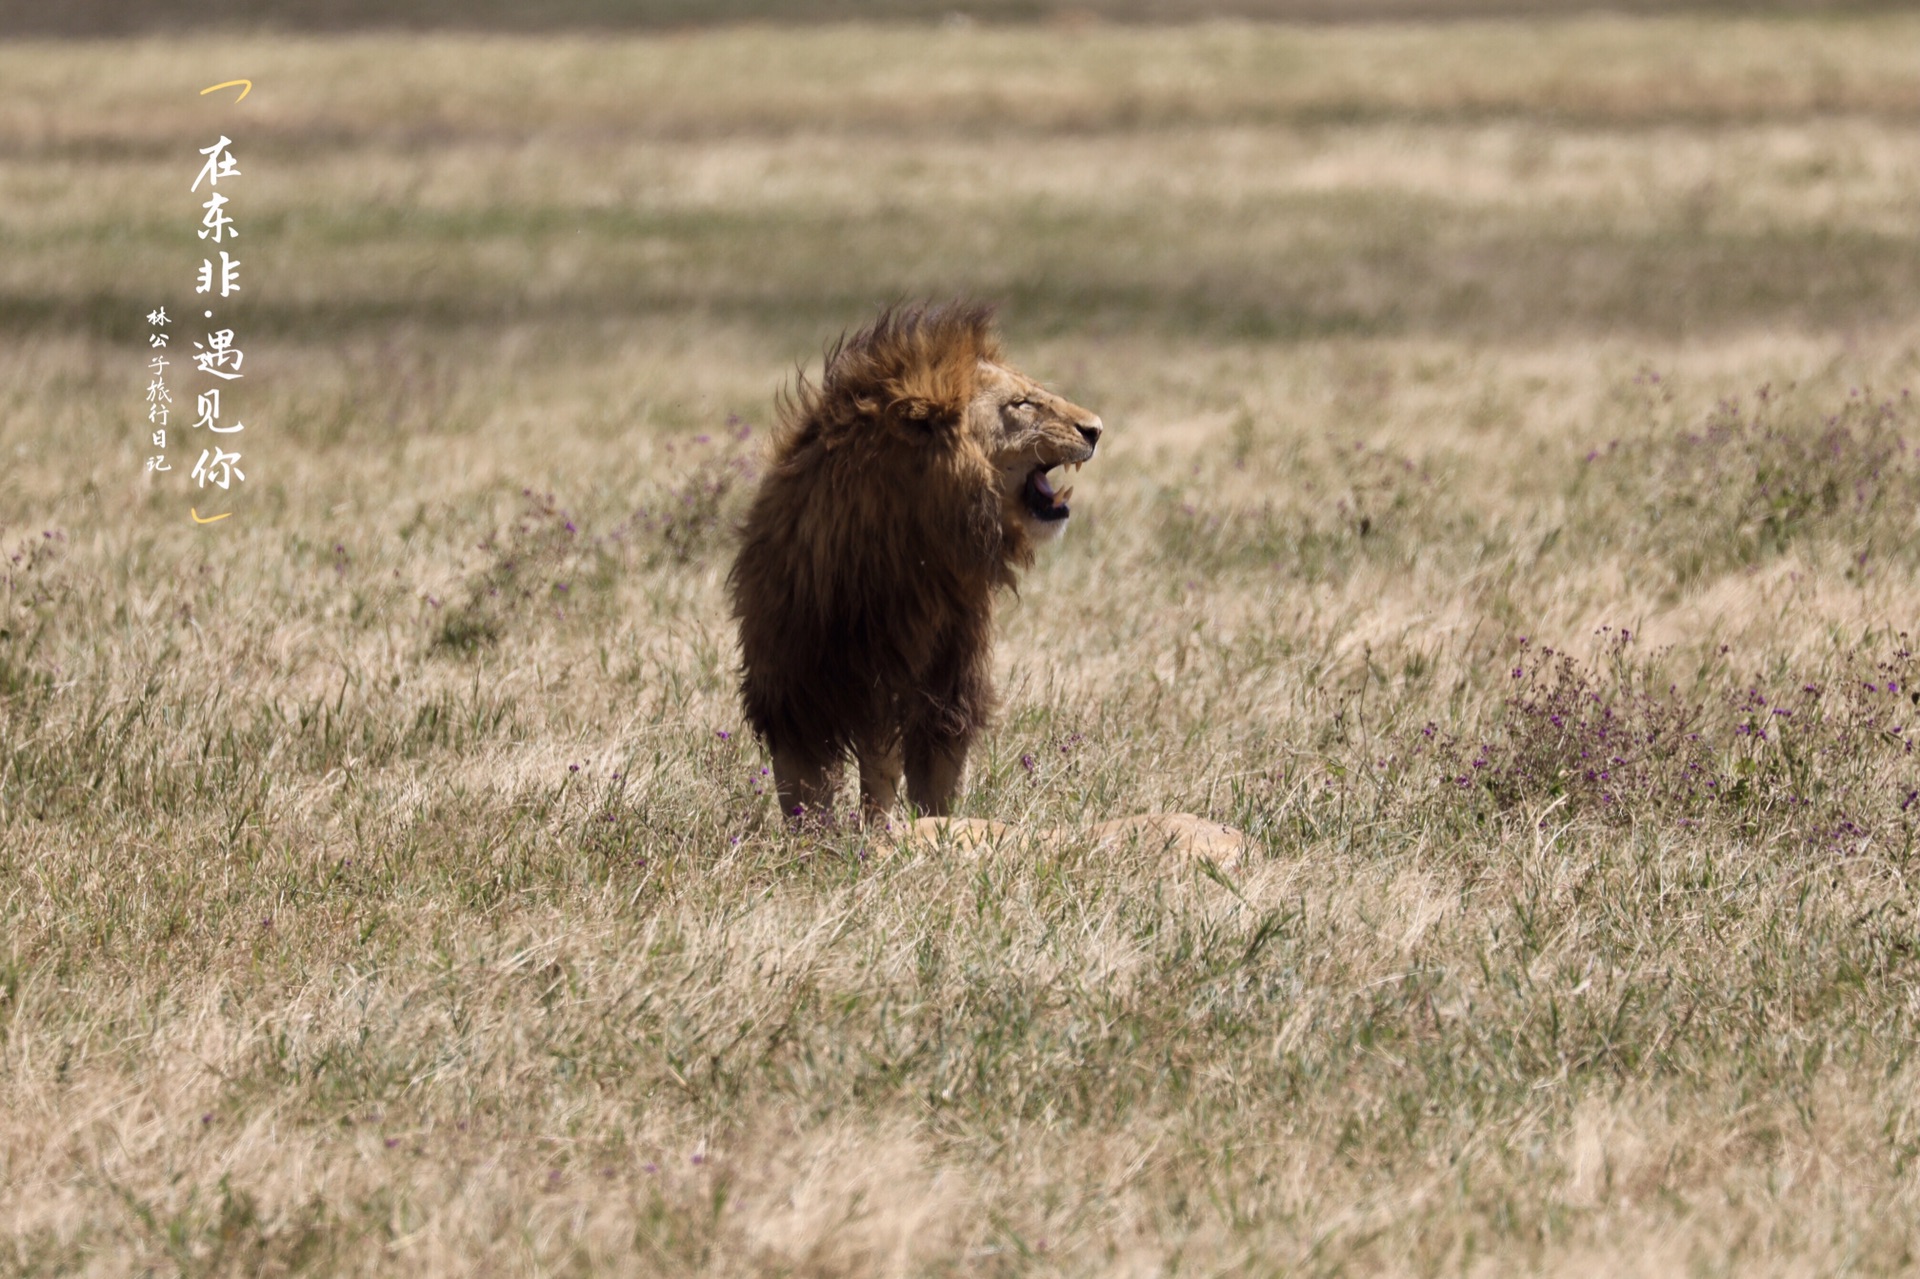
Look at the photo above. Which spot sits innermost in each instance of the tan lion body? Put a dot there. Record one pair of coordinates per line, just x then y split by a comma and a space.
903, 490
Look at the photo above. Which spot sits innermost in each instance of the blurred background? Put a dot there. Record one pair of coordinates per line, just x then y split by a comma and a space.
106, 18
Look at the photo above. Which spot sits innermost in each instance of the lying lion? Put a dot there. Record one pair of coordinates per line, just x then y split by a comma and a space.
902, 491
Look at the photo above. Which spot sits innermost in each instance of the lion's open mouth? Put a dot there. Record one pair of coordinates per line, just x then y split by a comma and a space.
1041, 501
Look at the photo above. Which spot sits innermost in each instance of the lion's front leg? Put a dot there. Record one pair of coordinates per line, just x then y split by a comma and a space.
806, 786
934, 770
955, 701
879, 777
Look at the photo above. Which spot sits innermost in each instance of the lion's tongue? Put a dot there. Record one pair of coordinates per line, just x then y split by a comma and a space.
1041, 486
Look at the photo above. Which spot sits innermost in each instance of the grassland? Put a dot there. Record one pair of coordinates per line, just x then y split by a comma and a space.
386, 881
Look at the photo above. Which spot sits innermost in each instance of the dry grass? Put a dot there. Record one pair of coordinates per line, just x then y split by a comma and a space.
385, 881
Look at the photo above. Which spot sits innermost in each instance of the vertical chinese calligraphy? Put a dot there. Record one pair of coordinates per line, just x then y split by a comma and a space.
216, 356
159, 398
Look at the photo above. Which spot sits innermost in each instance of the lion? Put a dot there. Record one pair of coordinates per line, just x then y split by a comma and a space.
902, 492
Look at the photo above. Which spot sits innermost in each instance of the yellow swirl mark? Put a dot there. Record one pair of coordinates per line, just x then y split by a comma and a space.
195, 512
246, 87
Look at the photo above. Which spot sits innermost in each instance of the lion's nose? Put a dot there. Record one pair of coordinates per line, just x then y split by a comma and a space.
1090, 431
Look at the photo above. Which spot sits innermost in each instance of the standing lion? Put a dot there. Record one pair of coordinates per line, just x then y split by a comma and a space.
902, 491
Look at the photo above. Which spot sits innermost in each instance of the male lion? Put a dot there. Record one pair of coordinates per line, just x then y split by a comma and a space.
902, 490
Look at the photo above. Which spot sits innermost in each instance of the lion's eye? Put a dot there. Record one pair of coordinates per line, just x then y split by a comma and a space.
1021, 404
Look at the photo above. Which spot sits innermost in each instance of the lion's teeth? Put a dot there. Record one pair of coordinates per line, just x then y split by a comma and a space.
1064, 494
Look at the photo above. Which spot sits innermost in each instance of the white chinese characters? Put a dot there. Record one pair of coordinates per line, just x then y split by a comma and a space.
159, 397
217, 355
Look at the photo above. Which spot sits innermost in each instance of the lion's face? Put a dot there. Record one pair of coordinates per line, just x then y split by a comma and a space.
1030, 433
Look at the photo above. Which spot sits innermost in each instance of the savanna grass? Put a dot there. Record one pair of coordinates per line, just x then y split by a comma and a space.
386, 881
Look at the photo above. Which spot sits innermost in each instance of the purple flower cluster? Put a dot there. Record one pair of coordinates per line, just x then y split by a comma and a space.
1757, 476
1828, 760
528, 569
683, 519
